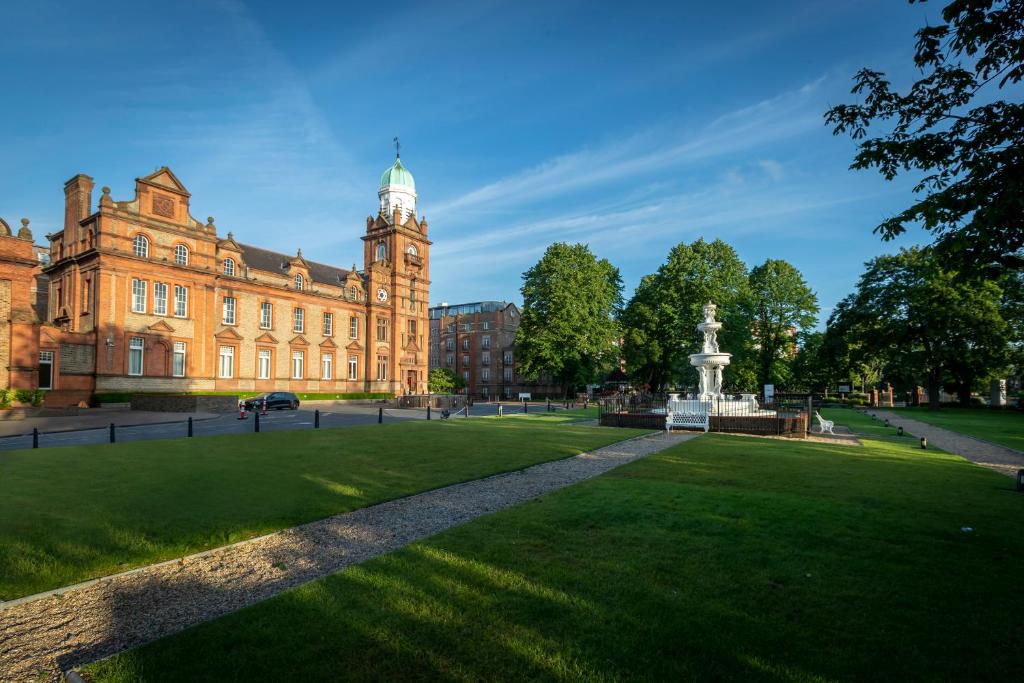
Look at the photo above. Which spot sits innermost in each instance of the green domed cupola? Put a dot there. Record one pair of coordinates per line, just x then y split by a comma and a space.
397, 190
396, 174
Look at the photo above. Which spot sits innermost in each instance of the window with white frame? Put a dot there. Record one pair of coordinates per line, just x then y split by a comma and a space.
382, 368
227, 362
353, 367
136, 348
181, 255
266, 315
229, 266
485, 342
486, 358
178, 360
298, 281
298, 320
298, 361
353, 292
326, 366
508, 359
140, 246
465, 360
382, 251
450, 345
228, 316
160, 298
180, 301
451, 360
382, 329
138, 296
465, 344
353, 327
263, 364
328, 324
465, 376
508, 374
485, 374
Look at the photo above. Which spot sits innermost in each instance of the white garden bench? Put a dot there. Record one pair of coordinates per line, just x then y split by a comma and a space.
824, 425
689, 419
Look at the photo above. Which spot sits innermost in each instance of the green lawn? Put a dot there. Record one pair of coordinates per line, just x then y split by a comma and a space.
724, 558
69, 514
1001, 426
862, 425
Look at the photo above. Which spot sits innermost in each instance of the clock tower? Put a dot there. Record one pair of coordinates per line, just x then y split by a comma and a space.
396, 257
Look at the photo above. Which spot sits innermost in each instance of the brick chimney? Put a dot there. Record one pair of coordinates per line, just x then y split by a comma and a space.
77, 203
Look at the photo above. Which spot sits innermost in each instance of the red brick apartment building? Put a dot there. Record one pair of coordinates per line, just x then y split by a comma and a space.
477, 341
138, 295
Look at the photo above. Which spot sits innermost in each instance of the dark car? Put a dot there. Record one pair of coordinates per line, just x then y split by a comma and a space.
276, 400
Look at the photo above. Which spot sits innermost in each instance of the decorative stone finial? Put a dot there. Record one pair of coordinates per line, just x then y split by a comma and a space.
25, 233
209, 222
105, 189
298, 254
5, 230
105, 200
230, 236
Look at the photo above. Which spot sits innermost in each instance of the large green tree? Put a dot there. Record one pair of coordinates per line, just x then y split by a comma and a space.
568, 330
924, 321
960, 128
780, 306
659, 322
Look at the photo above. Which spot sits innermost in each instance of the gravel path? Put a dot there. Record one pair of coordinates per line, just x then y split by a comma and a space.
1000, 458
44, 636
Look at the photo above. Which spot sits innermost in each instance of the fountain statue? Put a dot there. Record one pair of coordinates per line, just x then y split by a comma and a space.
710, 361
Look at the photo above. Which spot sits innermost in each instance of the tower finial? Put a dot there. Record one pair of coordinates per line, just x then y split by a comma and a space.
398, 148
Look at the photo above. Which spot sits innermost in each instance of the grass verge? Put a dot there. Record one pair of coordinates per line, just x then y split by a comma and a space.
725, 558
1004, 427
73, 513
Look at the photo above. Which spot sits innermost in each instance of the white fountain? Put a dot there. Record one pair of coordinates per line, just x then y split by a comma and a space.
709, 364
710, 361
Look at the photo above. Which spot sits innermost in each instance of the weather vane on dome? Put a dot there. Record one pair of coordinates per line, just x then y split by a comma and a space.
398, 148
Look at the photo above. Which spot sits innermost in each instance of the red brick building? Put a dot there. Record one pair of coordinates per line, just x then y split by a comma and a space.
144, 297
477, 342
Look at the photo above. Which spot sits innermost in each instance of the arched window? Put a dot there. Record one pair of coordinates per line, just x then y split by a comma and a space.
181, 255
412, 250
354, 292
141, 246
298, 281
382, 251
229, 266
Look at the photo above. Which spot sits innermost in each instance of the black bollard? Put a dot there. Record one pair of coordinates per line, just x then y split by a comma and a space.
380, 415
112, 438
549, 405
316, 419
256, 423
467, 410
428, 411
190, 426
526, 408
35, 437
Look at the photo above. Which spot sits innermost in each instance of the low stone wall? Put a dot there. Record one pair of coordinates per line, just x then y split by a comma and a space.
792, 425
171, 403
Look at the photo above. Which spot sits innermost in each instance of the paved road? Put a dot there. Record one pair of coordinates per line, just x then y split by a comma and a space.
274, 421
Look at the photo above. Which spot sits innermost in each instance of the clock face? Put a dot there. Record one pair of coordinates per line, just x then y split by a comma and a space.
382, 294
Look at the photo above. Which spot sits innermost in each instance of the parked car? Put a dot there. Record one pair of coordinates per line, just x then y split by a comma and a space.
277, 400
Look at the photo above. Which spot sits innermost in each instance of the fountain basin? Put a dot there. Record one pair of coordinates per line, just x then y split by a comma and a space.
709, 360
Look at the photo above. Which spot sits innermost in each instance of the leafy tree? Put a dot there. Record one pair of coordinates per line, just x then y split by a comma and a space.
659, 322
567, 330
971, 155
444, 381
922, 320
780, 306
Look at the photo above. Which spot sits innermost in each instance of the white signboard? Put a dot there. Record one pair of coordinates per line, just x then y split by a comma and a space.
524, 397
844, 388
769, 393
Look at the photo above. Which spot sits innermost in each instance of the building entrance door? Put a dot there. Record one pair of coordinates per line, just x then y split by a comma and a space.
410, 380
46, 369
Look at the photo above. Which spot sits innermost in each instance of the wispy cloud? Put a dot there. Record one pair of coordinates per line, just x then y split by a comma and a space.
786, 115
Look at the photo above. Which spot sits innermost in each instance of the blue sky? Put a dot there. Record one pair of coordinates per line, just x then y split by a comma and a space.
629, 126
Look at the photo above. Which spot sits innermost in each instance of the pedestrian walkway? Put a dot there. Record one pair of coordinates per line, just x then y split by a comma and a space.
57, 631
1000, 458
